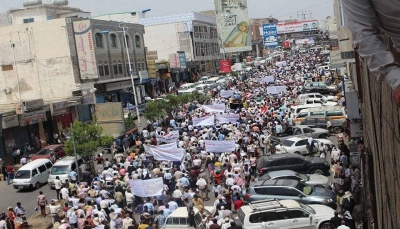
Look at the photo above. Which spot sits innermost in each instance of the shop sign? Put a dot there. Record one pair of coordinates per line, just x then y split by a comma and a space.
60, 111
58, 108
151, 55
110, 116
118, 85
9, 121
174, 60
182, 59
33, 117
225, 66
144, 77
23, 107
356, 130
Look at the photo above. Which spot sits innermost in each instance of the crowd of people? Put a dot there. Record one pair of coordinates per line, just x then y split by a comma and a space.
103, 198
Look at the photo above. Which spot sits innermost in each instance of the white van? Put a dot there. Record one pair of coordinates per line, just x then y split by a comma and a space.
296, 109
32, 175
202, 88
61, 169
212, 83
185, 87
180, 219
188, 91
203, 79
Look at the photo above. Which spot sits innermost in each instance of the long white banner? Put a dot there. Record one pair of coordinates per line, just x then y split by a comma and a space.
147, 188
167, 152
220, 146
215, 108
227, 118
276, 89
204, 121
171, 137
226, 93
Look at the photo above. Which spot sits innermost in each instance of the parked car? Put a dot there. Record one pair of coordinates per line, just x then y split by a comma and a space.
48, 151
179, 218
285, 189
303, 97
295, 162
311, 179
298, 145
300, 131
279, 214
316, 87
321, 121
62, 168
32, 175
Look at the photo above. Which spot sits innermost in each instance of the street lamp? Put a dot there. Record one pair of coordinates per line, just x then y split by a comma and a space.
125, 28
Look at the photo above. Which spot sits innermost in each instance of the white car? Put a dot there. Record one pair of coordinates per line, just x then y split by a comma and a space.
311, 179
304, 97
299, 145
284, 214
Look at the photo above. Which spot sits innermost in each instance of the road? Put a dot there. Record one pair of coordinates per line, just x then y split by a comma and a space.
10, 197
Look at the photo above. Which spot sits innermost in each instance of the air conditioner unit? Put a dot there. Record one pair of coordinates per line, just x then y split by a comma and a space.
7, 90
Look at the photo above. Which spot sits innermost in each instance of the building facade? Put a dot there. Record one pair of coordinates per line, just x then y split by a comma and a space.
44, 86
257, 33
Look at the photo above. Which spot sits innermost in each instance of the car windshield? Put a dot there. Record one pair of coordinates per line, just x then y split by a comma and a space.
306, 189
22, 174
44, 152
287, 143
302, 176
265, 177
307, 208
61, 169
241, 215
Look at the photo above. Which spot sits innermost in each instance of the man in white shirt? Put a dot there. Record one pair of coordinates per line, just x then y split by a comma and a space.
129, 197
343, 226
177, 195
230, 181
64, 193
172, 205
23, 160
57, 186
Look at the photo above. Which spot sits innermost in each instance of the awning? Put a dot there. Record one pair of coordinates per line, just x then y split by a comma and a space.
132, 131
162, 66
336, 65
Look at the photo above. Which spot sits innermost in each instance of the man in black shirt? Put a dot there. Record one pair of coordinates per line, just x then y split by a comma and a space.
336, 220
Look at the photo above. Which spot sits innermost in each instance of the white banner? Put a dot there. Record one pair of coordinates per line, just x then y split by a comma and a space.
268, 79
203, 121
281, 64
227, 118
215, 108
171, 137
276, 89
147, 188
220, 146
167, 152
226, 93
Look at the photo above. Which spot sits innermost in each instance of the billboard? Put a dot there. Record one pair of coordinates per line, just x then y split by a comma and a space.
174, 60
225, 66
110, 116
270, 35
182, 60
85, 49
233, 25
296, 27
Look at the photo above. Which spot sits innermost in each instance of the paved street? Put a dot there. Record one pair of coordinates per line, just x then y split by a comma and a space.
10, 197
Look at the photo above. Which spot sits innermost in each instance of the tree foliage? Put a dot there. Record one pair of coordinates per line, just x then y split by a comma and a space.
87, 138
160, 108
129, 122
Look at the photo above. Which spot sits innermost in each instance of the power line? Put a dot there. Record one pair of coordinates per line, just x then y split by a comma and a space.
306, 8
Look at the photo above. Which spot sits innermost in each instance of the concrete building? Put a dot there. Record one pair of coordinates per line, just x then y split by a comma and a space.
257, 33
5, 20
47, 79
193, 33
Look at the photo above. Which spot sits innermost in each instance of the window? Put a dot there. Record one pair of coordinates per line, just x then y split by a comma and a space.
73, 167
262, 191
99, 40
49, 165
334, 113
266, 216
101, 70
302, 142
29, 20
127, 41
289, 192
42, 168
138, 41
293, 214
115, 67
49, 17
307, 130
106, 70
127, 68
34, 172
120, 70
113, 40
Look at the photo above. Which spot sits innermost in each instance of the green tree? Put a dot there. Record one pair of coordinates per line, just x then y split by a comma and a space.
87, 139
129, 122
154, 110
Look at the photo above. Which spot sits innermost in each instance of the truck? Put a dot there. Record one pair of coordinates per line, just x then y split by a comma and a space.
321, 121
299, 131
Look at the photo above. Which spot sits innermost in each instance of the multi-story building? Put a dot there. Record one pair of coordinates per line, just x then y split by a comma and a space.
193, 34
257, 33
56, 63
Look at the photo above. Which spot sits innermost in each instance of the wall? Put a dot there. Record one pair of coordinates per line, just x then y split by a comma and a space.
43, 61
5, 20
162, 38
38, 14
381, 117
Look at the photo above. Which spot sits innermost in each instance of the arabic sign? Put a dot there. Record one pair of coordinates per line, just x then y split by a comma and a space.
33, 117
9, 121
182, 60
270, 35
174, 60
298, 26
144, 77
151, 55
233, 25
110, 116
85, 49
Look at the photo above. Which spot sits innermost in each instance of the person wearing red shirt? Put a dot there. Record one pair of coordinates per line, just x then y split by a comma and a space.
10, 172
238, 203
99, 159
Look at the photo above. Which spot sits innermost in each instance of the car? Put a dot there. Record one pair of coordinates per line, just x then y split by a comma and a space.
303, 97
299, 145
285, 189
299, 131
278, 214
311, 179
179, 218
203, 79
47, 151
317, 87
319, 101
295, 162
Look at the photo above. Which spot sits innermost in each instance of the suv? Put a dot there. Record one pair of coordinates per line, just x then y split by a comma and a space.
292, 161
311, 179
316, 87
284, 189
283, 214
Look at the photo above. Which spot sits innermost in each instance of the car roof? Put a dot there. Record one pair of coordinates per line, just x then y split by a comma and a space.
284, 155
281, 173
34, 164
279, 182
66, 160
295, 139
264, 203
182, 211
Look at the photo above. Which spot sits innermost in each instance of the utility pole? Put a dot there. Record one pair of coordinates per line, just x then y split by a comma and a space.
76, 156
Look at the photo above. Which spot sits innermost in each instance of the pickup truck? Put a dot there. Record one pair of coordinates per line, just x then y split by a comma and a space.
321, 121
300, 131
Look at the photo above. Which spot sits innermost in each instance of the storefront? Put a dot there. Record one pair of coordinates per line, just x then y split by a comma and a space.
39, 124
63, 113
13, 134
